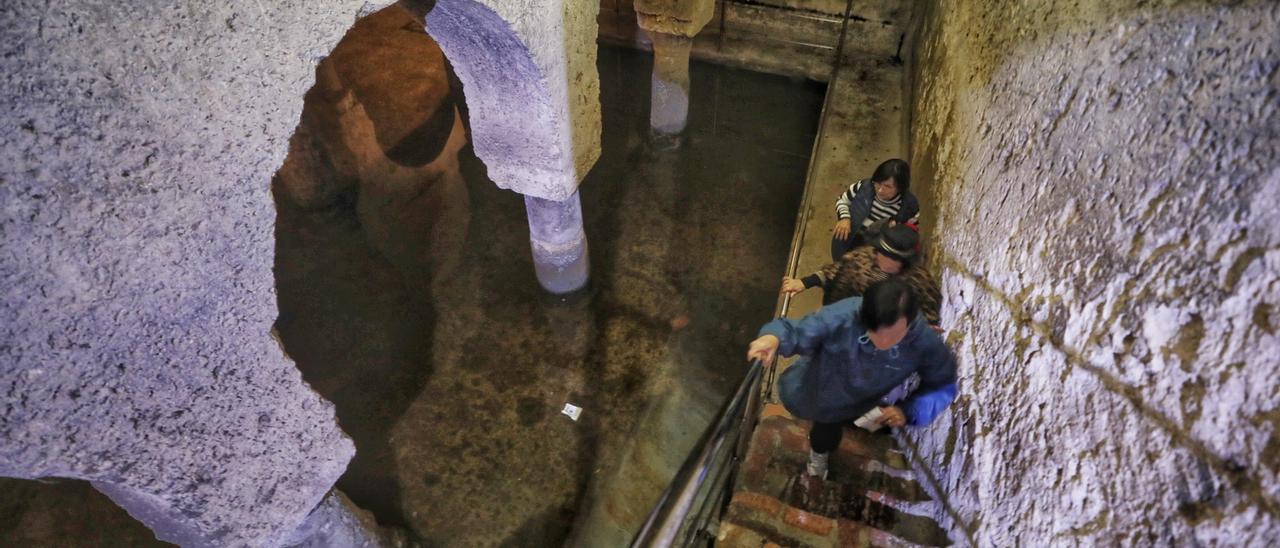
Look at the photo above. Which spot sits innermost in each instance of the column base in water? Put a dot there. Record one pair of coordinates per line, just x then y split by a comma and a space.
669, 93
559, 243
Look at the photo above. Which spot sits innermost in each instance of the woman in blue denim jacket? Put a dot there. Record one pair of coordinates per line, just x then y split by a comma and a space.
856, 351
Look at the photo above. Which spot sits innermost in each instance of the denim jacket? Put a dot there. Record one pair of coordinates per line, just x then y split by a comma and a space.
845, 374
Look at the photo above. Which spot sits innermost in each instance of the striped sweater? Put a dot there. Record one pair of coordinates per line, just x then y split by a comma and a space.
861, 205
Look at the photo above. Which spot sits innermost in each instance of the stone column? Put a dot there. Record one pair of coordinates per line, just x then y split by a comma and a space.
559, 243
339, 522
671, 26
669, 93
529, 70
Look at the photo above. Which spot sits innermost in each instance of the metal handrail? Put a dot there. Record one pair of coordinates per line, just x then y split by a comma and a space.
666, 520
739, 412
802, 218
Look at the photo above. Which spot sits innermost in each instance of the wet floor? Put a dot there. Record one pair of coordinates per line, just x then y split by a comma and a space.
452, 383
449, 366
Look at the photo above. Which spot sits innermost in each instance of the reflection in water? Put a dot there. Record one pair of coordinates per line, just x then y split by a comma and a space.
363, 241
408, 298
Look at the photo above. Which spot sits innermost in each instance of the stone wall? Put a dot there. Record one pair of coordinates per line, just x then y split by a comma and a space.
136, 223
1107, 194
790, 37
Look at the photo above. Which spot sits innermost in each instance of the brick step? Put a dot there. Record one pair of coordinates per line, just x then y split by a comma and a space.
851, 502
760, 520
779, 449
869, 499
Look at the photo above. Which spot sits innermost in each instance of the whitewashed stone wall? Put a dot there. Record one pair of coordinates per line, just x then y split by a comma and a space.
1106, 187
135, 164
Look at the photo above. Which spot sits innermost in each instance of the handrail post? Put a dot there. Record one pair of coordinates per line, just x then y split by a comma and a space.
749, 416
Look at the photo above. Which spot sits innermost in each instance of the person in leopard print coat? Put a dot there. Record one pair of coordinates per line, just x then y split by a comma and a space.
893, 254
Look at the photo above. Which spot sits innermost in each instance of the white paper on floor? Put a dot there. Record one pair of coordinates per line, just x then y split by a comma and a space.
572, 411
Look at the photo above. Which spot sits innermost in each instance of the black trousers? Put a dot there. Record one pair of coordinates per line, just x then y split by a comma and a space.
825, 436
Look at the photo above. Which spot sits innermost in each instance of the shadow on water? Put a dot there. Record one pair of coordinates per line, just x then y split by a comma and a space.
359, 337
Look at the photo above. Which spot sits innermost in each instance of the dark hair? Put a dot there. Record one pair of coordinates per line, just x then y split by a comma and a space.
897, 170
886, 301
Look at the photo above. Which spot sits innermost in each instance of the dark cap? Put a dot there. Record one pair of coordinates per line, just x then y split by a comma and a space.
899, 242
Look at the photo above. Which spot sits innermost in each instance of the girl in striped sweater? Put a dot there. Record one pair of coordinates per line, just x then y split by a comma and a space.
872, 204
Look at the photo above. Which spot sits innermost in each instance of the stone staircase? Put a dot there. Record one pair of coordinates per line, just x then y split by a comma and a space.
869, 499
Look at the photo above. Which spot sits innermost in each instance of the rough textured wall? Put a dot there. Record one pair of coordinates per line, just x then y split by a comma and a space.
528, 68
789, 37
582, 90
137, 237
1108, 189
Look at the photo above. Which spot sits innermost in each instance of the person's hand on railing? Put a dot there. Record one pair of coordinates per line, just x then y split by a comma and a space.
763, 349
791, 286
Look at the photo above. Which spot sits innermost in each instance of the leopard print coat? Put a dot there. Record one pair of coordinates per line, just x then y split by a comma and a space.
857, 270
